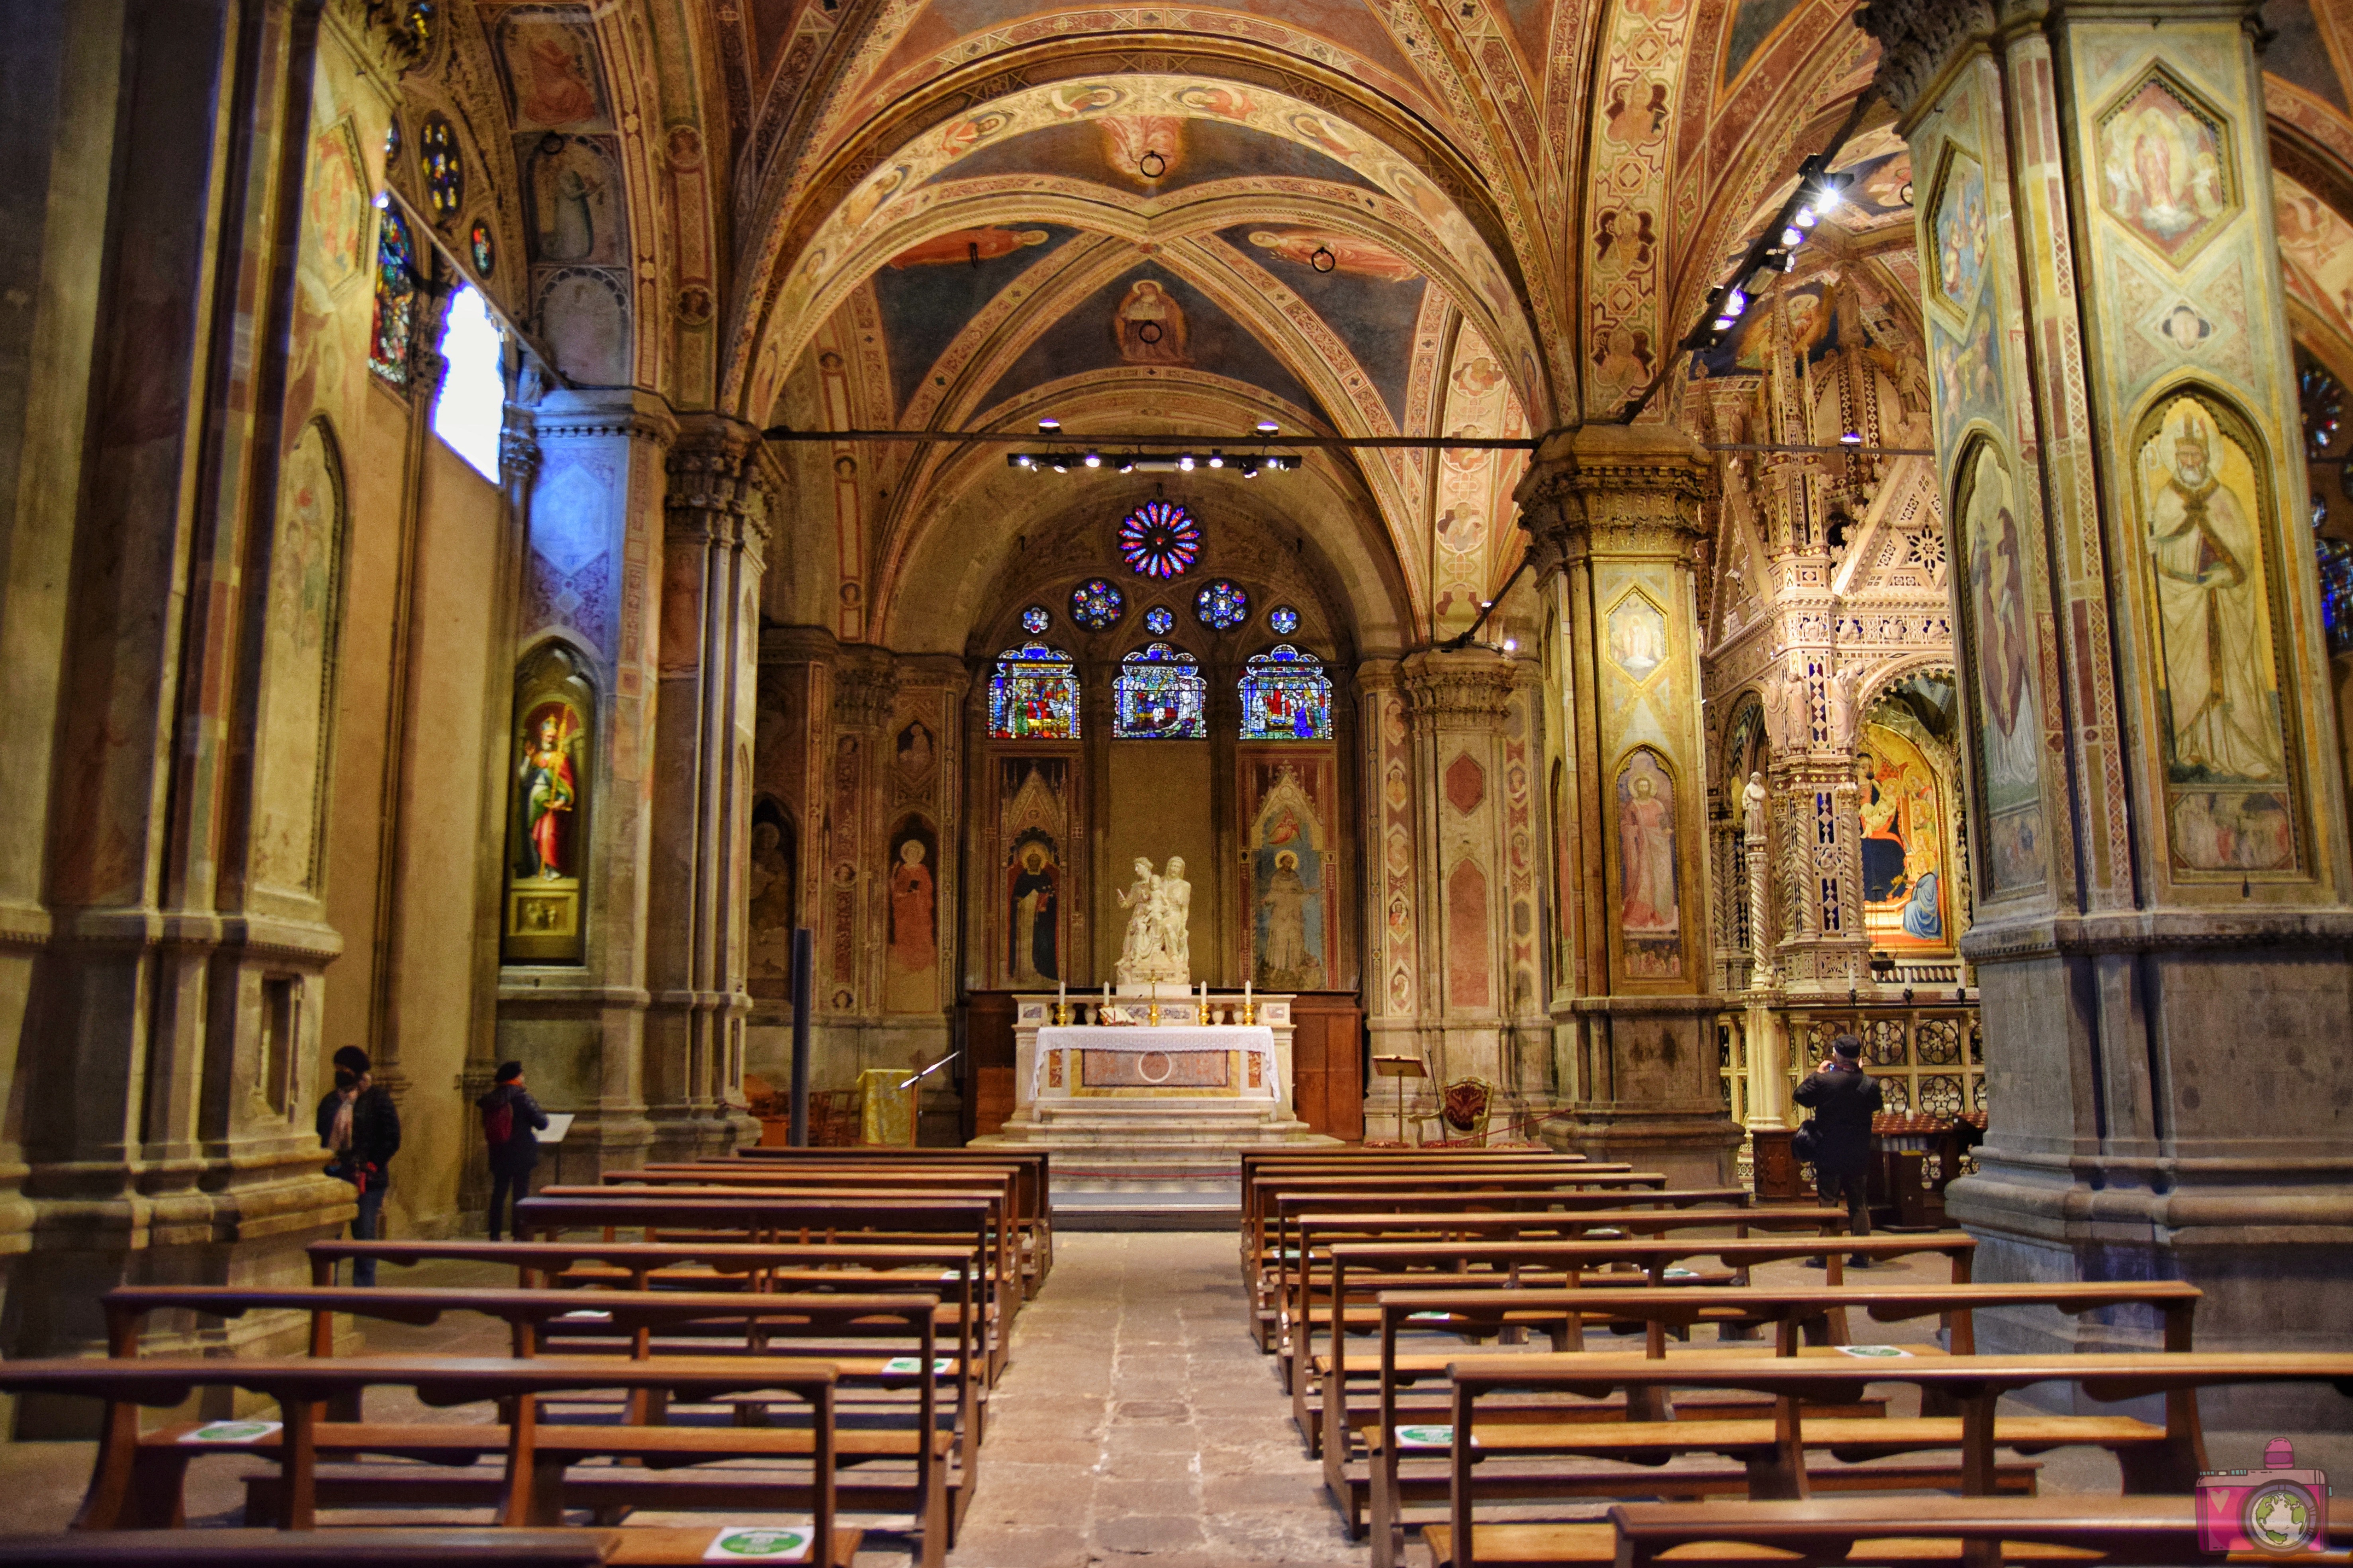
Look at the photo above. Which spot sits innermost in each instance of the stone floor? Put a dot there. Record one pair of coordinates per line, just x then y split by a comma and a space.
1136, 1421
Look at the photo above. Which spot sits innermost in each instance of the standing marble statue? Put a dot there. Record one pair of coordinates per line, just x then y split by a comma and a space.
1158, 949
1752, 807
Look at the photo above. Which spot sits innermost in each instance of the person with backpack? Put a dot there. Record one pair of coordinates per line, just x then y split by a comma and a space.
360, 1126
1843, 1098
511, 1122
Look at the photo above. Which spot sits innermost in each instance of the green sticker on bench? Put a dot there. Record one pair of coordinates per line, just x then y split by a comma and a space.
907, 1365
756, 1543
234, 1431
1427, 1316
1677, 1271
1876, 1352
1425, 1436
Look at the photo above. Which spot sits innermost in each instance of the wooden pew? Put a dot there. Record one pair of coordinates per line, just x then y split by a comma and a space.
945, 1468
1786, 1309
1032, 1228
774, 1218
531, 1491
998, 1234
1036, 1190
366, 1547
2154, 1460
2156, 1530
1314, 1229
1415, 1209
1259, 1168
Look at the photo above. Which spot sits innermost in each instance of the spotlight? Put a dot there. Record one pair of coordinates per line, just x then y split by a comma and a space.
1049, 425
1267, 426
1734, 303
1023, 460
1217, 459
1061, 467
1486, 604
1250, 467
383, 201
1511, 645
1807, 217
1184, 461
1849, 438
1722, 323
1092, 460
1793, 237
1127, 465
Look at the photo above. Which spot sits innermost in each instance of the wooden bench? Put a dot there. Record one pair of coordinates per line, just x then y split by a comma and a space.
1032, 1188
638, 1546
997, 1235
2129, 1530
1428, 1212
2154, 1460
1297, 1266
531, 1492
1388, 1486
1258, 1169
625, 1322
774, 1219
1447, 1186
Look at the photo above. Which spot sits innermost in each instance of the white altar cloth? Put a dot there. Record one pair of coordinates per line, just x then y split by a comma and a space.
1256, 1038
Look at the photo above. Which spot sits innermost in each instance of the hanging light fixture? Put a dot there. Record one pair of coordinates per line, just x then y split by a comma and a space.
1152, 165
1322, 259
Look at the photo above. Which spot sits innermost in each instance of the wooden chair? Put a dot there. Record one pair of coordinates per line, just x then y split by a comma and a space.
1464, 1105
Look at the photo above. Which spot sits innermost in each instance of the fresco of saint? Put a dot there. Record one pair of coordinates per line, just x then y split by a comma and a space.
1031, 889
549, 792
1150, 326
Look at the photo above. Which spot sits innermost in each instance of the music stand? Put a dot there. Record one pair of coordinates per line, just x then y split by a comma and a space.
1399, 1069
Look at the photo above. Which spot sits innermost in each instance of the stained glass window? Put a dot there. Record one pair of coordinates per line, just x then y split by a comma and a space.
1096, 604
1283, 620
1034, 695
1160, 539
2336, 562
1286, 696
445, 176
1159, 620
486, 252
1160, 696
1221, 605
2324, 405
1036, 619
395, 299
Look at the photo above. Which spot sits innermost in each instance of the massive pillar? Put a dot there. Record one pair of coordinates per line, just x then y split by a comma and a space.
2155, 808
1614, 514
696, 899
583, 757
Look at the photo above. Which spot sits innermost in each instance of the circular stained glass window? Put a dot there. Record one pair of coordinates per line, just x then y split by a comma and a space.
1096, 604
1221, 605
1283, 620
1159, 620
1160, 539
445, 176
1036, 619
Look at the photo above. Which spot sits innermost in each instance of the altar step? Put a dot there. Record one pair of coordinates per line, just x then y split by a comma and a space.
1171, 1164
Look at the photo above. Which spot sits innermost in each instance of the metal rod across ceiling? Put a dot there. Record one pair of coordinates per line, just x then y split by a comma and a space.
1253, 440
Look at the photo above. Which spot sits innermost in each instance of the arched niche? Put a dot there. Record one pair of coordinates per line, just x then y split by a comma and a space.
552, 797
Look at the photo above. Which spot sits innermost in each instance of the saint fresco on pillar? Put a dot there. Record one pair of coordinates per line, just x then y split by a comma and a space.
1033, 823
1288, 874
2224, 731
547, 834
1648, 903
912, 955
2002, 629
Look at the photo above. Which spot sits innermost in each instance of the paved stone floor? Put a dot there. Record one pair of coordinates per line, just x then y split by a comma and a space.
1139, 1418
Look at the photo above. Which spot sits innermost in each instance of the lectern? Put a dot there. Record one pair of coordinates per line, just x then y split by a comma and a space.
1400, 1069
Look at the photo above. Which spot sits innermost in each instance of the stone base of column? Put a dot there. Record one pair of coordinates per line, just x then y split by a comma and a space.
1648, 1087
2272, 1251
699, 1133
620, 1140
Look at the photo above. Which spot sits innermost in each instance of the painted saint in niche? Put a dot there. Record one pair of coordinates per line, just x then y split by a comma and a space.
547, 836
550, 791
770, 887
1285, 904
2208, 556
555, 78
1649, 911
915, 751
914, 949
1903, 841
2010, 729
1150, 326
2225, 740
1032, 888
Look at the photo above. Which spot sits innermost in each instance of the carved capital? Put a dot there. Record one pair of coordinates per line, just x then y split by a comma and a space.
1458, 689
518, 454
864, 687
568, 416
1919, 39
1612, 489
714, 481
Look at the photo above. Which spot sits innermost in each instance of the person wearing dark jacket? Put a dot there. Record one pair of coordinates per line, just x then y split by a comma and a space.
1843, 1098
511, 1122
361, 1126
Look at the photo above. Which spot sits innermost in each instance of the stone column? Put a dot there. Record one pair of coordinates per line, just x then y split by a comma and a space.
163, 935
1392, 979
2161, 928
1614, 515
575, 1018
712, 558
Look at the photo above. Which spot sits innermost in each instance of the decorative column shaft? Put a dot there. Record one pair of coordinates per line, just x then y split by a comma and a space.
2156, 809
715, 538
1614, 512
